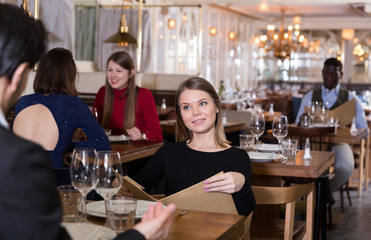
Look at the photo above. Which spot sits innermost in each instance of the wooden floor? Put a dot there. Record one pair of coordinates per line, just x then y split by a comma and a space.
356, 221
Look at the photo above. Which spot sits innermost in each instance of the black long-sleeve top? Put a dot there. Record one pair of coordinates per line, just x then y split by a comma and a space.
182, 167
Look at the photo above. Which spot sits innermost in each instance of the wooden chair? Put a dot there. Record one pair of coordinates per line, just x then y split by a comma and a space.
284, 195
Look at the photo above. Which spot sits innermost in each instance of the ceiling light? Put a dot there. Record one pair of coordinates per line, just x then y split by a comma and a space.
122, 38
212, 31
171, 23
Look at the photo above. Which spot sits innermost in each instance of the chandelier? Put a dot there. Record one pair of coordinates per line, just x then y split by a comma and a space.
282, 42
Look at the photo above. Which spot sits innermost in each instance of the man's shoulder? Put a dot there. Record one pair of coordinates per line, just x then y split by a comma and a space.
14, 144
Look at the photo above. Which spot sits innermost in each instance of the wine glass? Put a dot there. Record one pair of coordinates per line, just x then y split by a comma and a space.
314, 110
109, 173
82, 173
324, 112
257, 125
280, 129
94, 111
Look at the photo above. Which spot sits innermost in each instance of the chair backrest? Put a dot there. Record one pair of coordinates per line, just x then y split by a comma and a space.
313, 133
288, 196
238, 116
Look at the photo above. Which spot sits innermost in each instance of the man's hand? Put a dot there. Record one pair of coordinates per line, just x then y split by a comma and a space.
157, 221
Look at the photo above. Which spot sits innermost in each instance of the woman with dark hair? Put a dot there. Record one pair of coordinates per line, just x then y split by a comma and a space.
124, 107
51, 115
202, 150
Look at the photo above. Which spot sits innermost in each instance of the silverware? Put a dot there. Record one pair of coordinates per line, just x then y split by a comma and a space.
183, 212
285, 159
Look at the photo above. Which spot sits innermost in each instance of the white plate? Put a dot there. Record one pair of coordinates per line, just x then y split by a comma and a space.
88, 231
268, 148
119, 138
97, 208
261, 156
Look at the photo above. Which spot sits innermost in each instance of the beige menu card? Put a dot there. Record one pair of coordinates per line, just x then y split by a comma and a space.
192, 198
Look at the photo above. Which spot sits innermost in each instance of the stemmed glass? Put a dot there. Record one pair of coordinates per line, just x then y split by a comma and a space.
82, 173
314, 110
324, 111
109, 175
257, 125
94, 111
280, 129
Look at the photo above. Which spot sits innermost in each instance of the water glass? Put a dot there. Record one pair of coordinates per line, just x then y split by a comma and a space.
120, 213
71, 203
107, 132
246, 140
289, 148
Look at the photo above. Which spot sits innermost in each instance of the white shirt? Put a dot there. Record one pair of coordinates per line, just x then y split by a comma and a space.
3, 121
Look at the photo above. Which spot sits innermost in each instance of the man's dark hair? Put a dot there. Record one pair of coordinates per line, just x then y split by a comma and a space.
22, 39
333, 62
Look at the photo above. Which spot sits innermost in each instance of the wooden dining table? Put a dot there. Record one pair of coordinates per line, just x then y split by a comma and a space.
200, 225
133, 150
168, 127
270, 173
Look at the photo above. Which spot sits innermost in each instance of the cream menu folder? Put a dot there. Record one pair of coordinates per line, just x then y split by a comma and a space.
345, 112
192, 198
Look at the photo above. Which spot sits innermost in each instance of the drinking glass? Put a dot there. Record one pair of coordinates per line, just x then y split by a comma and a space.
109, 176
324, 111
109, 173
94, 111
314, 109
246, 140
82, 173
257, 125
280, 129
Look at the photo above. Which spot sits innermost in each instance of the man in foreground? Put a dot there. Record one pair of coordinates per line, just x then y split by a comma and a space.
29, 204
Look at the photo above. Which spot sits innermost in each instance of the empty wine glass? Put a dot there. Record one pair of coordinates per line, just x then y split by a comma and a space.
82, 173
94, 111
280, 129
109, 173
324, 112
257, 125
314, 110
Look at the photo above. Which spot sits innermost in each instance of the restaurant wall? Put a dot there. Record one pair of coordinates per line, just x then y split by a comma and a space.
90, 82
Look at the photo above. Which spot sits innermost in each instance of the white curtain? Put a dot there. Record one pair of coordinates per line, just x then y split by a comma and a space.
85, 33
109, 23
58, 17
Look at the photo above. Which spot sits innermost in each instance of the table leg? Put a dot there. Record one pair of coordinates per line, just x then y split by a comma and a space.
323, 200
320, 211
317, 210
361, 161
367, 164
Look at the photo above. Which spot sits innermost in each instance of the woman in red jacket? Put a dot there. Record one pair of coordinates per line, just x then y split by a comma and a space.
124, 107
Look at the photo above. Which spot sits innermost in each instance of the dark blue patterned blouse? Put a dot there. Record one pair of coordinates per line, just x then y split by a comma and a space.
70, 113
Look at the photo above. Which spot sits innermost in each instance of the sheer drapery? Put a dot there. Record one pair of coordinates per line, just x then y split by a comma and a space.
85, 33
109, 23
59, 20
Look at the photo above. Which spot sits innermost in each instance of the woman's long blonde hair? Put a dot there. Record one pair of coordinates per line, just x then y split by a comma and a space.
124, 60
182, 133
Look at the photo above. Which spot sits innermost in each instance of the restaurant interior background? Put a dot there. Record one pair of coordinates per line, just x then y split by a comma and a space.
215, 39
